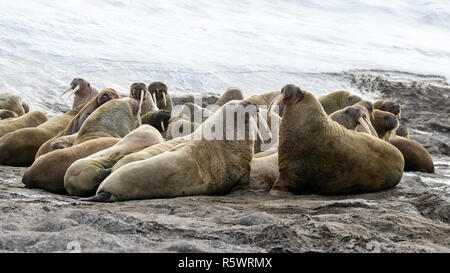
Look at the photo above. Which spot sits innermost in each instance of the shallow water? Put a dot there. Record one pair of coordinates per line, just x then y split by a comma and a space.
207, 46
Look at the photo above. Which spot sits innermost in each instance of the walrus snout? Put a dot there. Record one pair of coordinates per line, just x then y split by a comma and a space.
292, 93
393, 123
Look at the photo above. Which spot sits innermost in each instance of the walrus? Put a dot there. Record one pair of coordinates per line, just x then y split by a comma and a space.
7, 115
385, 123
47, 172
160, 94
388, 106
266, 99
148, 105
338, 100
159, 119
180, 126
115, 118
232, 93
75, 124
368, 109
350, 117
194, 167
19, 148
30, 119
266, 139
195, 113
84, 175
317, 155
12, 102
417, 158
402, 131
83, 91
264, 171
26, 107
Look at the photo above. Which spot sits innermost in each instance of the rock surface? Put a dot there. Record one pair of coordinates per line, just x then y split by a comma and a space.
412, 217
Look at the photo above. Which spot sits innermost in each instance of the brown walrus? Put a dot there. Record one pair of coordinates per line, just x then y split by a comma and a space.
7, 115
160, 94
367, 107
385, 123
402, 131
115, 118
75, 124
148, 105
30, 119
388, 106
317, 155
204, 166
232, 93
417, 158
84, 175
83, 91
264, 171
350, 117
47, 172
19, 148
338, 100
12, 102
159, 119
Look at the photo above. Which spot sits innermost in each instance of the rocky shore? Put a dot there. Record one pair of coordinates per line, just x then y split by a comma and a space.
412, 217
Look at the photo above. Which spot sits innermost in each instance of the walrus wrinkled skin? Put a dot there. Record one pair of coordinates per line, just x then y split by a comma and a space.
31, 119
232, 93
385, 123
7, 115
194, 167
160, 94
83, 91
148, 105
115, 118
12, 102
388, 106
317, 155
159, 119
19, 148
417, 158
84, 175
351, 117
338, 100
75, 124
47, 172
264, 171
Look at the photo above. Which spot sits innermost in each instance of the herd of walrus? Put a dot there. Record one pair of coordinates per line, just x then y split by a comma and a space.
108, 148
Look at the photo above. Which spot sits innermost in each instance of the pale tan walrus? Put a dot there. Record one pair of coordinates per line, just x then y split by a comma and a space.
232, 93
30, 119
7, 115
75, 124
19, 148
47, 172
83, 176
194, 167
12, 102
338, 100
317, 155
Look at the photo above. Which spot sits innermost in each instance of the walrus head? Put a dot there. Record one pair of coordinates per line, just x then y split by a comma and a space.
82, 90
4, 114
402, 131
136, 90
350, 117
385, 123
389, 106
159, 92
160, 120
106, 95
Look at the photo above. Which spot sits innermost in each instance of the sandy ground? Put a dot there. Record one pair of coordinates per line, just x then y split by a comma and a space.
412, 217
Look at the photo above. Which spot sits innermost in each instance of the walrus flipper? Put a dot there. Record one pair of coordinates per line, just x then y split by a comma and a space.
101, 197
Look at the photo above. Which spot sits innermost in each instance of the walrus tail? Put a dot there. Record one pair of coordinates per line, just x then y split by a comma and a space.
101, 197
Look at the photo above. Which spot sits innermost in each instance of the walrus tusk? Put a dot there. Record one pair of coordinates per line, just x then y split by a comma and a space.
275, 103
265, 125
140, 108
75, 90
154, 99
67, 90
162, 126
254, 126
364, 124
164, 97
